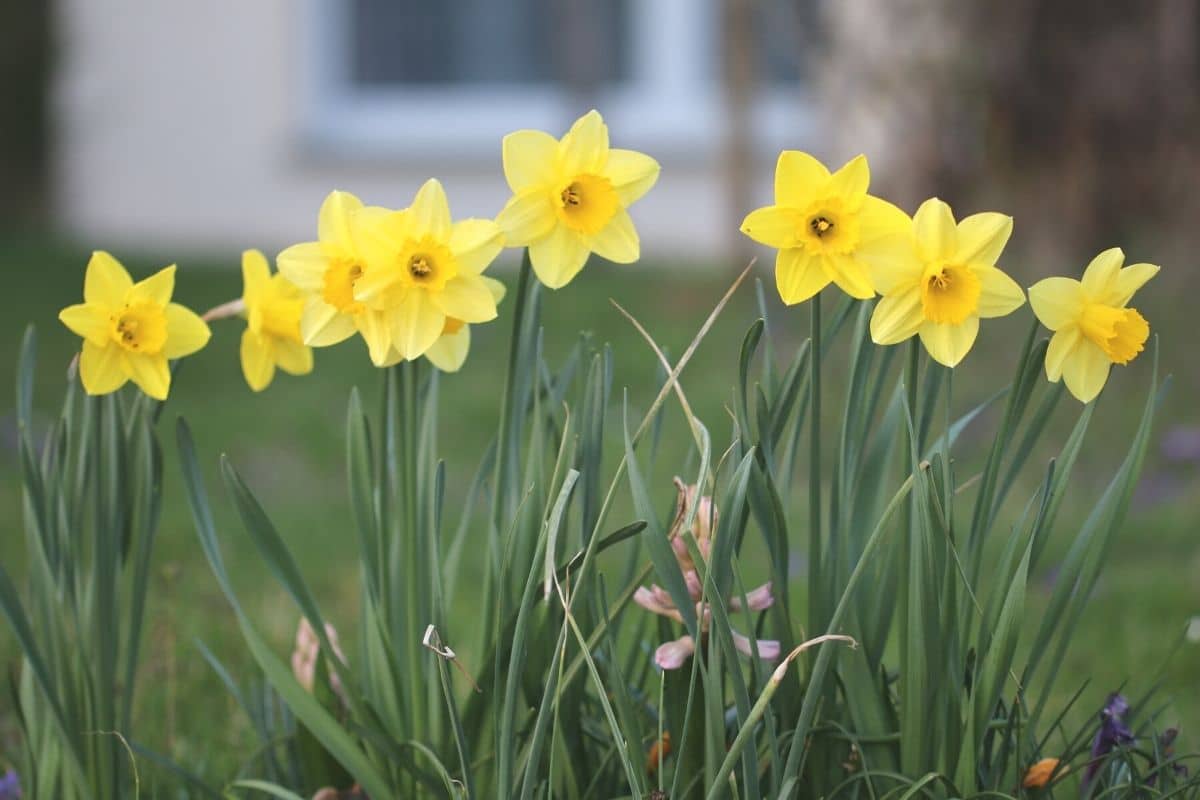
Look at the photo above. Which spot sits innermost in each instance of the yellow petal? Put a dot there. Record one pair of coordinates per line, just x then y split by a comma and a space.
333, 221
850, 274
527, 217
106, 282
585, 147
1057, 302
998, 293
798, 275
450, 350
774, 226
376, 331
850, 182
879, 218
1129, 280
1062, 345
475, 243
151, 373
798, 176
374, 285
631, 174
322, 325
393, 358
157, 288
1101, 273
897, 317
558, 257
417, 323
380, 237
89, 321
256, 275
258, 362
186, 332
495, 287
304, 265
892, 260
948, 344
981, 237
530, 159
935, 231
293, 357
465, 298
431, 211
617, 241
1086, 370
100, 368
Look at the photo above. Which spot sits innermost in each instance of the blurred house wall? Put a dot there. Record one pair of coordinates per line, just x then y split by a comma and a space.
194, 125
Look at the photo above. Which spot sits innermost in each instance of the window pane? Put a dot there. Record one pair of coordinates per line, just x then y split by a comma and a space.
415, 42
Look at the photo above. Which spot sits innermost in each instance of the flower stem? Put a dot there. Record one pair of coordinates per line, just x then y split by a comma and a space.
231, 309
815, 553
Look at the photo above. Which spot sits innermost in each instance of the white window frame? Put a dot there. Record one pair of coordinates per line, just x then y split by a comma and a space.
672, 103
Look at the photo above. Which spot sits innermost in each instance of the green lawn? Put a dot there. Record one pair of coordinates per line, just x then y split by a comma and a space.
287, 442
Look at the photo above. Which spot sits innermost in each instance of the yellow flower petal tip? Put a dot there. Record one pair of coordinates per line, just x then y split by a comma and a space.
131, 330
273, 309
1092, 323
940, 279
571, 198
826, 226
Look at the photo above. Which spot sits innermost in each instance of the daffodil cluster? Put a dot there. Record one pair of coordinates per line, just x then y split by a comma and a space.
937, 277
411, 281
402, 279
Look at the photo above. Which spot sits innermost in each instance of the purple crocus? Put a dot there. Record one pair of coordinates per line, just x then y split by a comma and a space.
1113, 733
10, 786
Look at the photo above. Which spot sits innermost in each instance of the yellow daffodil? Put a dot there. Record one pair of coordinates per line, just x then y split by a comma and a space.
130, 330
1093, 328
272, 335
570, 198
941, 284
819, 223
326, 271
420, 269
450, 350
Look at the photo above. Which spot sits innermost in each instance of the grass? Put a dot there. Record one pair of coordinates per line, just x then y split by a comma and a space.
288, 443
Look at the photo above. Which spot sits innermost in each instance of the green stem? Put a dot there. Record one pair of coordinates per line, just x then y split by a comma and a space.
815, 547
948, 472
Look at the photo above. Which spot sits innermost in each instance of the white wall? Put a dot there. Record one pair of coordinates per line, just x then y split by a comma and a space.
181, 124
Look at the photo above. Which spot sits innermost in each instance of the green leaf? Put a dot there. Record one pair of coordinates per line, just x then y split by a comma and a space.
306, 708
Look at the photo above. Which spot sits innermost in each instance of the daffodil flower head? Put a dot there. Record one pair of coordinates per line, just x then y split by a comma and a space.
450, 350
272, 336
130, 330
325, 272
570, 198
420, 270
1093, 326
819, 223
943, 281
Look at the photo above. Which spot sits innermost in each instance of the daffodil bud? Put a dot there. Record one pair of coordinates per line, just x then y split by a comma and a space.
701, 529
307, 648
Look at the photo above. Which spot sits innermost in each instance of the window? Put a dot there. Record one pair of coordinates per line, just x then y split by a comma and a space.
426, 78
484, 42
